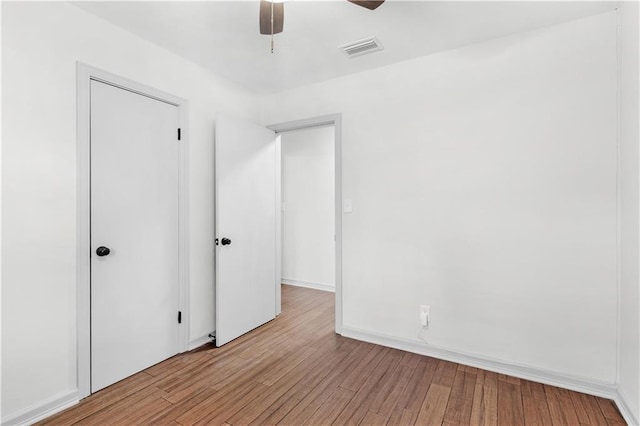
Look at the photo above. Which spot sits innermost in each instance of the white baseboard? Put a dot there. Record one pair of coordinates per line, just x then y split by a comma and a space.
623, 405
606, 390
196, 343
315, 286
41, 411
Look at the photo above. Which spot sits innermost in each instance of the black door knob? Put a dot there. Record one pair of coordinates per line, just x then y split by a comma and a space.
103, 251
225, 241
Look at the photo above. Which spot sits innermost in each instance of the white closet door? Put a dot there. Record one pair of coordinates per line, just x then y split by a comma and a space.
134, 214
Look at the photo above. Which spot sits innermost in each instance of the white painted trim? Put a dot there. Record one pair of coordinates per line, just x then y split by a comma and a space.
278, 224
84, 75
184, 225
336, 121
307, 284
625, 409
83, 242
48, 407
620, 400
579, 384
618, 202
196, 343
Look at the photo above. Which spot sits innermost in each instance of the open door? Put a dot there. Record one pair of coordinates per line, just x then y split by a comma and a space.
246, 225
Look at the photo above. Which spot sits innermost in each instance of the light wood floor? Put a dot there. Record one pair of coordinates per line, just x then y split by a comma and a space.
295, 371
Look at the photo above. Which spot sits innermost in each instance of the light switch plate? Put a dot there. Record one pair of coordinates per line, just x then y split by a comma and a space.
347, 207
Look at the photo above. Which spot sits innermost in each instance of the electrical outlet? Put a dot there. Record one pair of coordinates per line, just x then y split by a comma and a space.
425, 315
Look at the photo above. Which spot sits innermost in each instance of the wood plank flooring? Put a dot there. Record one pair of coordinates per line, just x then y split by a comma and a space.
296, 371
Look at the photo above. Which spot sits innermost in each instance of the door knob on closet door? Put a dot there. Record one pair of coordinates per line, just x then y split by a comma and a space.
103, 251
225, 241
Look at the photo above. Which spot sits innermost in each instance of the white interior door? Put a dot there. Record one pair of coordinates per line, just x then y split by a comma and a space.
134, 213
246, 200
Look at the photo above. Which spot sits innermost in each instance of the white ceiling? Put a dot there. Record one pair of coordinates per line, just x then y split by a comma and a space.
223, 36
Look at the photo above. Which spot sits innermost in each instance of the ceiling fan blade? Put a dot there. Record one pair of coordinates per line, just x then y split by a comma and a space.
369, 4
265, 17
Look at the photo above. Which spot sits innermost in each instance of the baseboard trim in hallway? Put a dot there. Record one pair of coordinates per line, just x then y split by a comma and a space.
307, 284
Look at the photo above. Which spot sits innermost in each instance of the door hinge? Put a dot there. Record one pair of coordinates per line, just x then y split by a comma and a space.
179, 134
179, 317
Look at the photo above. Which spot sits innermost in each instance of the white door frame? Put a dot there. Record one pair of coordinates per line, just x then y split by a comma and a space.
336, 121
84, 75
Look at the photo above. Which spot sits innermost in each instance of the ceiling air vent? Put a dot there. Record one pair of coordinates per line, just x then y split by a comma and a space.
361, 47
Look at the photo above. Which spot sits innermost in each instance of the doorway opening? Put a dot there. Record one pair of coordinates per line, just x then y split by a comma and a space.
248, 222
311, 210
308, 205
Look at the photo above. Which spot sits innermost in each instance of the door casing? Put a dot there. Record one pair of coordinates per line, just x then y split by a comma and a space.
84, 75
336, 121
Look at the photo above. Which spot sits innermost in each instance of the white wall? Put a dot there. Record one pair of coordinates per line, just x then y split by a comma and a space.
483, 183
41, 43
308, 222
629, 353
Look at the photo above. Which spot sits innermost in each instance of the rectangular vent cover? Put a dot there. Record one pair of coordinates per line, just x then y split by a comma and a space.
361, 47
